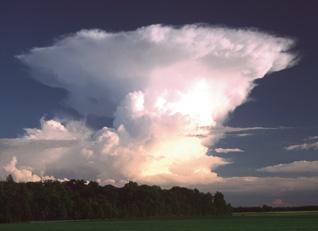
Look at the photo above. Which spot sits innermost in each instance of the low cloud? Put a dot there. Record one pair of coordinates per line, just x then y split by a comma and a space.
278, 203
23, 174
106, 155
251, 185
301, 166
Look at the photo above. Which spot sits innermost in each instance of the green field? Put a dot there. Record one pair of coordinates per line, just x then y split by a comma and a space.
289, 221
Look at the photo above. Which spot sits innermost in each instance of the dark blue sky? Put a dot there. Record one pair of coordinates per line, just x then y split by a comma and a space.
285, 100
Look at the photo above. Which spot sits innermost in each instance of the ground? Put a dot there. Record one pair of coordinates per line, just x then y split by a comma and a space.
289, 221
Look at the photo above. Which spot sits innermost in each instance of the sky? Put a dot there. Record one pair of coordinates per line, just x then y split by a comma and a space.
214, 95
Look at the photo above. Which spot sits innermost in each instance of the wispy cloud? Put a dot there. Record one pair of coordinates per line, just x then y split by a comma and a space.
227, 150
263, 185
312, 138
313, 145
220, 131
301, 166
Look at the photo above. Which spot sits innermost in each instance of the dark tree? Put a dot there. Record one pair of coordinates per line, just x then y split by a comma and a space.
10, 178
77, 199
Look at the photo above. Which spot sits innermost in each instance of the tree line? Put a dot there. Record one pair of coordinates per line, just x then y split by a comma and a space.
268, 208
77, 199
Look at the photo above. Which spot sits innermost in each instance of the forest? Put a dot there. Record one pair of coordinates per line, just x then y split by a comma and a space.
78, 199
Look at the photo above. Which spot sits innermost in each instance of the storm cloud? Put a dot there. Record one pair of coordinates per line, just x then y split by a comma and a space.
160, 83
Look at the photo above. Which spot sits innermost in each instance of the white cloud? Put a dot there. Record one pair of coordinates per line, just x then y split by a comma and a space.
228, 150
109, 155
161, 84
161, 61
310, 143
301, 166
23, 174
220, 131
242, 129
278, 202
244, 134
304, 146
312, 138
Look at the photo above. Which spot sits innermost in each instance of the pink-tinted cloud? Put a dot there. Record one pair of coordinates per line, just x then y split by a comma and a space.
161, 84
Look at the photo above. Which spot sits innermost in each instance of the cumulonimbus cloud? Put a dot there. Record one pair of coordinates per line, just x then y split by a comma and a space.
160, 83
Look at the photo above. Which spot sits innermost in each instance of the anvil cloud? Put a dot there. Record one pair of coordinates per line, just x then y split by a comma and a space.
160, 83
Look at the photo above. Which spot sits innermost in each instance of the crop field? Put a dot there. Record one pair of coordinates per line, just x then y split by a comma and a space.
289, 221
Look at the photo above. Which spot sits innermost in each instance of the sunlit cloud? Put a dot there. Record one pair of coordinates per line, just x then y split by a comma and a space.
161, 84
23, 174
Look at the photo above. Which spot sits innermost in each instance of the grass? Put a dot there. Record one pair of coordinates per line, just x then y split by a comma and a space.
291, 221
